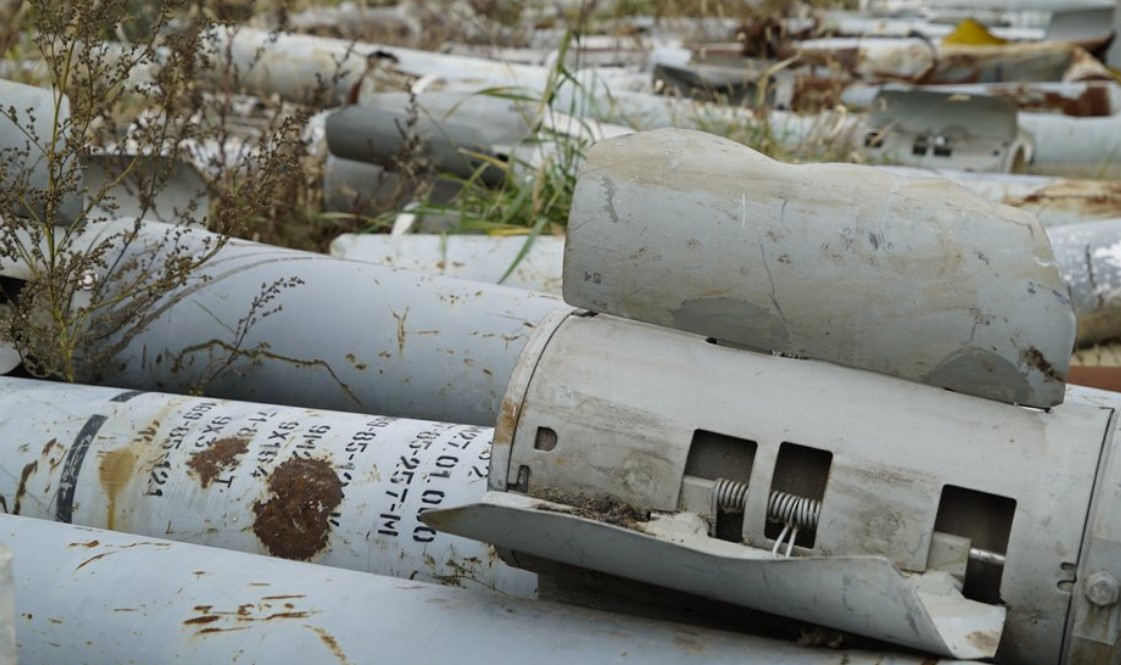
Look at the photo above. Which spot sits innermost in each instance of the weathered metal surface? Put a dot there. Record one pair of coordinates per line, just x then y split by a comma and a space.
921, 61
7, 609
161, 189
1074, 147
622, 432
475, 258
79, 590
1089, 256
339, 489
923, 128
1093, 632
884, 605
27, 131
835, 262
298, 66
399, 343
1052, 200
1078, 99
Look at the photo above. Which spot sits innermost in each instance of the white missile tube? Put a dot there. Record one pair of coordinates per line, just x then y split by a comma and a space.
339, 489
91, 596
281, 326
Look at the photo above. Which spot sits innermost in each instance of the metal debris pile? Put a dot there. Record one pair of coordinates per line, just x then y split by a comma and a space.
705, 394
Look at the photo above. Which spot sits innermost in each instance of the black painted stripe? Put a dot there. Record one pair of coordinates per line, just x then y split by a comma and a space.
73, 466
126, 396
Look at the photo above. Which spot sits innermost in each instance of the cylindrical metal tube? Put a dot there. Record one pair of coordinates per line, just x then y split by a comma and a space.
1074, 147
1089, 256
7, 610
90, 596
340, 489
536, 265
274, 325
1054, 201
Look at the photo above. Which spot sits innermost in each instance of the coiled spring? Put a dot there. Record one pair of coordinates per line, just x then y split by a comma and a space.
729, 495
793, 511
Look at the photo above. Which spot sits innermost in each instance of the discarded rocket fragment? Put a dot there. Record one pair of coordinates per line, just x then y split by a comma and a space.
679, 454
340, 489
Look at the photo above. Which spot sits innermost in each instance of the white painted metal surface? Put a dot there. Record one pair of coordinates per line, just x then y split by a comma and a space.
340, 489
1074, 147
621, 405
348, 335
1089, 256
476, 258
7, 609
94, 596
296, 66
836, 262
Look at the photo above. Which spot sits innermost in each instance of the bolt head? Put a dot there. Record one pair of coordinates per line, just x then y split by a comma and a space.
1102, 589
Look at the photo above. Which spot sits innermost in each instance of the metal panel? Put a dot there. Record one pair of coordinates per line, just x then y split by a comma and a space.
823, 590
939, 130
1094, 632
99, 597
476, 258
347, 335
242, 476
625, 399
908, 277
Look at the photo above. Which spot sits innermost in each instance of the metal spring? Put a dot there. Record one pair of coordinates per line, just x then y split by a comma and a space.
729, 495
793, 509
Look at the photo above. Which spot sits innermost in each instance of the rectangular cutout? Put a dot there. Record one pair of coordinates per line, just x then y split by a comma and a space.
801, 475
714, 456
986, 520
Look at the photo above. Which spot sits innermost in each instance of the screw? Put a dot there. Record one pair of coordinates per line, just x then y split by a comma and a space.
1102, 589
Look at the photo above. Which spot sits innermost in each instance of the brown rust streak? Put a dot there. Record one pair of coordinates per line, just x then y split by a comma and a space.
209, 618
331, 643
1093, 198
21, 491
293, 523
1034, 357
115, 469
220, 456
91, 543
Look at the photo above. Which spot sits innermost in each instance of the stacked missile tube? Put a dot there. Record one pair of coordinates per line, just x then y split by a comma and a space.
87, 595
273, 325
340, 489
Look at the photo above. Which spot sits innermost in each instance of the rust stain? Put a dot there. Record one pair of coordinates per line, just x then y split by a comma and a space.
219, 457
331, 643
507, 423
293, 523
91, 543
53, 445
284, 596
115, 470
207, 631
1092, 198
21, 491
209, 618
983, 641
1034, 358
91, 560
